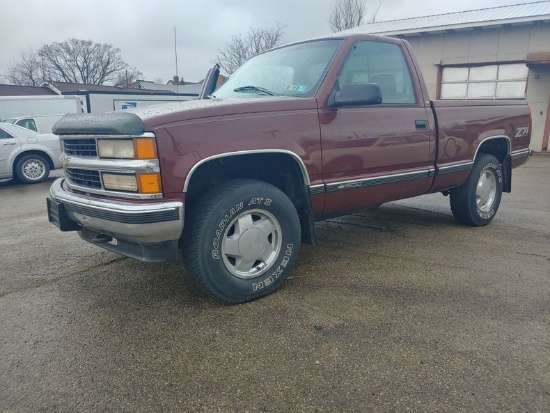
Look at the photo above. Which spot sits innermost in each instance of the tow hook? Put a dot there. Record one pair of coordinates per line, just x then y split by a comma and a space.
101, 238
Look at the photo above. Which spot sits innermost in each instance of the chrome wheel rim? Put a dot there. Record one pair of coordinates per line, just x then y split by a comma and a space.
251, 243
33, 169
486, 191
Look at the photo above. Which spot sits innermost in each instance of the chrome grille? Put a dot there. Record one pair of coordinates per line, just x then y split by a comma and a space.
81, 147
84, 177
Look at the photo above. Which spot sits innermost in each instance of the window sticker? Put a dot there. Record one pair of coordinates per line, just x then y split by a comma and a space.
296, 88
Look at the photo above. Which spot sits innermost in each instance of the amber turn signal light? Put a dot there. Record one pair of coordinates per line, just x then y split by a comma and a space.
145, 148
149, 183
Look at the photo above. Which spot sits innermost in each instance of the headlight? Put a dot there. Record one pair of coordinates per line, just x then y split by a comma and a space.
116, 148
138, 148
120, 182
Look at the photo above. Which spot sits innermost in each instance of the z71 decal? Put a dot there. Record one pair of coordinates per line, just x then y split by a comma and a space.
522, 131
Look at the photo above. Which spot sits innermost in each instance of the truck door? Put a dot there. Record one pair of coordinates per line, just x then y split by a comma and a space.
8, 145
374, 153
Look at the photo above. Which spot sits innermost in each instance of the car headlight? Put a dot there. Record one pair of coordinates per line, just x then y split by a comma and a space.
119, 182
116, 148
137, 148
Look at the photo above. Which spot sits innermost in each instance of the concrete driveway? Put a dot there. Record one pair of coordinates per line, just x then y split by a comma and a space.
398, 309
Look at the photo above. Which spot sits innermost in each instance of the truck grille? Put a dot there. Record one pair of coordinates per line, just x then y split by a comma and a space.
84, 177
81, 147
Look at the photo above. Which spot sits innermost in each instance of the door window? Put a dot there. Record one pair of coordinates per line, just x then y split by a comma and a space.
5, 135
383, 64
27, 123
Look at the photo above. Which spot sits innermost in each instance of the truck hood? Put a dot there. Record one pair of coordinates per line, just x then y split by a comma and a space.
138, 120
211, 108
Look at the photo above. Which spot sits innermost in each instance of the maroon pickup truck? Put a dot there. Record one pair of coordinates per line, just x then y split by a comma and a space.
234, 182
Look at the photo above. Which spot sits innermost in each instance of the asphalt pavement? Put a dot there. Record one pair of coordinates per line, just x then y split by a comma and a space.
397, 309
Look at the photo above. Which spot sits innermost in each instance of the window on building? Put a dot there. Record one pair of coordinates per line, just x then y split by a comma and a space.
504, 81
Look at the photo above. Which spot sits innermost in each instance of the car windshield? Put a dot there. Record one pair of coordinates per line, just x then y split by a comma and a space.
295, 70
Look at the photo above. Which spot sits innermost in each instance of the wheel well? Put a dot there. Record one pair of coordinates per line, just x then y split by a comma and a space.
498, 147
277, 169
42, 154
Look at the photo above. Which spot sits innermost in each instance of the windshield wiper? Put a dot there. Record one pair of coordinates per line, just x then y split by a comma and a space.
253, 89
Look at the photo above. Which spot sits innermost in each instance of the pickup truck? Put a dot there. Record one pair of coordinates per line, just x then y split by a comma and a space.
233, 183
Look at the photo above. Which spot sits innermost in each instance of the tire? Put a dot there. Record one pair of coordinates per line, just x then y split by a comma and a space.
476, 201
32, 168
241, 240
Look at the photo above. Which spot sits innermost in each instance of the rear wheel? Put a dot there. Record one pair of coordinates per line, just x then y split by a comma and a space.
32, 168
476, 201
241, 240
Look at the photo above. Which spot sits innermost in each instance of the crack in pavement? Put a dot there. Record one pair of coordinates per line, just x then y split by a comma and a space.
43, 282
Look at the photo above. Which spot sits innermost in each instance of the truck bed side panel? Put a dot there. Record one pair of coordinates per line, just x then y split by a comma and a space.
464, 126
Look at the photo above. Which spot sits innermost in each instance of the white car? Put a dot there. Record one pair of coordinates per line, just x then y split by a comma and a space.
40, 124
27, 155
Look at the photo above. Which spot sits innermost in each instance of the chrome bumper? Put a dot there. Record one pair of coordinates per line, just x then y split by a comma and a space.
136, 229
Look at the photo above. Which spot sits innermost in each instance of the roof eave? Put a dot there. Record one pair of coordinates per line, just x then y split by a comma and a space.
465, 26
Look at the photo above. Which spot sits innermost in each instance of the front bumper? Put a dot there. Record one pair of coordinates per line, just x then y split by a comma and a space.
146, 231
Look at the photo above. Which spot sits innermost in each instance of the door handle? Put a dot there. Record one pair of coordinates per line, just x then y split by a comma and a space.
421, 124
9, 143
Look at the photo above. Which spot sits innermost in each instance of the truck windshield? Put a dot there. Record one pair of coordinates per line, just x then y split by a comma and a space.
295, 70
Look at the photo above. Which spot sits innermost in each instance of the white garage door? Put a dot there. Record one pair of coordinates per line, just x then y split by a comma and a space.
504, 81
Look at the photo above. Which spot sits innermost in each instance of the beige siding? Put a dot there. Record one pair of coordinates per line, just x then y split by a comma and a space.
539, 40
483, 46
538, 92
513, 43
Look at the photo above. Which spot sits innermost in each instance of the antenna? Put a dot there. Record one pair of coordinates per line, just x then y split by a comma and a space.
176, 54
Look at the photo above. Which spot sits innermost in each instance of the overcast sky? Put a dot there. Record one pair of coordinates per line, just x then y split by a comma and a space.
144, 29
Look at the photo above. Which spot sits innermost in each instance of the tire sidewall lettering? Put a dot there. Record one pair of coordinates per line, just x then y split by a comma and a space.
220, 231
259, 285
211, 221
496, 169
276, 274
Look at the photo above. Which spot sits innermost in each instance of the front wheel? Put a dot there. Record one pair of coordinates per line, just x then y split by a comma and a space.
32, 168
241, 240
476, 201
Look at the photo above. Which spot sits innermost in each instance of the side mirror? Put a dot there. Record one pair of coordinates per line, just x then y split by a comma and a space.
209, 84
357, 94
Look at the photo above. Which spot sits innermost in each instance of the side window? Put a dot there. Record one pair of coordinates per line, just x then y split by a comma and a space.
4, 134
383, 64
27, 123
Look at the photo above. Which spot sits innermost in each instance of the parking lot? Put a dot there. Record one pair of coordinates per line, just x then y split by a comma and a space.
397, 309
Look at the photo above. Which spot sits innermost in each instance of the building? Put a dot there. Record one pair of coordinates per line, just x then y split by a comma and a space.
494, 53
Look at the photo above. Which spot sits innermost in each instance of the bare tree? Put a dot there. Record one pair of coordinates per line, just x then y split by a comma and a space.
128, 77
72, 61
82, 61
242, 47
347, 14
27, 71
372, 19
